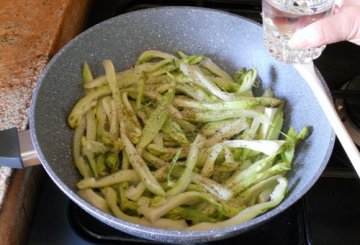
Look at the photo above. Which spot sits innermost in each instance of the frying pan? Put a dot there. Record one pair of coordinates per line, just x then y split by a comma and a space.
231, 41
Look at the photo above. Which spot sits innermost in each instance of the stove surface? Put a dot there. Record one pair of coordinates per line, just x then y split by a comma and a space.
327, 214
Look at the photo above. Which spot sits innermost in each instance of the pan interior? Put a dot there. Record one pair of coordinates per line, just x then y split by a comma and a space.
231, 41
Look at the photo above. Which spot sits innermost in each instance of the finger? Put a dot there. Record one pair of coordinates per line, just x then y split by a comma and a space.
339, 27
349, 2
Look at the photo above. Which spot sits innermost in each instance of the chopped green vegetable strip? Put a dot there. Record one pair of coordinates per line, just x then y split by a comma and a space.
193, 91
268, 147
174, 130
248, 81
134, 193
251, 212
241, 103
78, 159
112, 161
185, 178
93, 146
154, 213
140, 95
86, 73
250, 171
208, 167
215, 69
155, 121
95, 199
227, 132
194, 71
124, 79
120, 176
279, 168
212, 187
101, 167
141, 168
85, 104
111, 198
191, 214
153, 54
132, 129
251, 195
90, 125
275, 129
211, 116
153, 160
173, 163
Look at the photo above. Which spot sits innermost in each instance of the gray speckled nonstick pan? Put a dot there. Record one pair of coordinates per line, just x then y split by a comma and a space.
231, 41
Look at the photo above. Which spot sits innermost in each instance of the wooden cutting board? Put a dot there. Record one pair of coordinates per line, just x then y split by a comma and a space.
31, 32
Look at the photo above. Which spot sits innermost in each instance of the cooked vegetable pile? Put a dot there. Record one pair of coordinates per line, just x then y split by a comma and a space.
177, 143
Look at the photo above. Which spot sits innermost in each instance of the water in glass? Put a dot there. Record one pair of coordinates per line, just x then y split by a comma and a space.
281, 18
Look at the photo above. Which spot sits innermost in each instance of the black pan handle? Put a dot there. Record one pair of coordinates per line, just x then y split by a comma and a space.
16, 149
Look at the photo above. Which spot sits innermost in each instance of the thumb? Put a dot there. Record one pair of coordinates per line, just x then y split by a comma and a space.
342, 26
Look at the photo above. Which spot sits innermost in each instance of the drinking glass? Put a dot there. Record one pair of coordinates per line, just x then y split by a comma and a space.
281, 19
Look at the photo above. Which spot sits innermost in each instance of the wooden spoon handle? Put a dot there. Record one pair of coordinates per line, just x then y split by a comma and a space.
307, 71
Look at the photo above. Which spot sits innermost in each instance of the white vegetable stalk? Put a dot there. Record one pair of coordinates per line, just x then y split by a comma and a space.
268, 147
277, 196
194, 71
212, 187
185, 178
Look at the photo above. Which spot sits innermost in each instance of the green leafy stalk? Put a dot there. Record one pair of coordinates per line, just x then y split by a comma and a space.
95, 199
251, 212
119, 176
212, 187
85, 104
132, 128
156, 121
174, 130
112, 161
211, 116
240, 103
141, 168
112, 200
154, 213
153, 54
185, 178
172, 166
80, 164
200, 78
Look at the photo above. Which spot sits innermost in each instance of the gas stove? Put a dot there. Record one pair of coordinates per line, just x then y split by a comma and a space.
328, 214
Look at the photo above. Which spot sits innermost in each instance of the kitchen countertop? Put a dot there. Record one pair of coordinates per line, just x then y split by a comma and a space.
31, 32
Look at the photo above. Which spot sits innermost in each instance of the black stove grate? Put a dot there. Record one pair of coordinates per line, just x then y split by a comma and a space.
103, 10
327, 214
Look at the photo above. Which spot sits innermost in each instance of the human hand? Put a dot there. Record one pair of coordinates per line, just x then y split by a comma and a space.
343, 25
